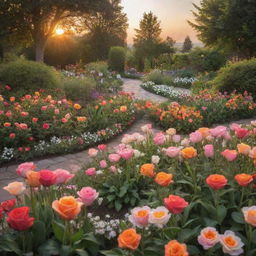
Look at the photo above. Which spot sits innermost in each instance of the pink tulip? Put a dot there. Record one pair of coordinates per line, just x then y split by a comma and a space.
209, 150
24, 168
87, 195
90, 171
172, 151
63, 176
230, 155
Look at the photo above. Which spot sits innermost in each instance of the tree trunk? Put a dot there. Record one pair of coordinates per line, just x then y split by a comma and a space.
40, 47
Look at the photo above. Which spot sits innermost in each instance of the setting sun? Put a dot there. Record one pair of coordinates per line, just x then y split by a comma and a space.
59, 31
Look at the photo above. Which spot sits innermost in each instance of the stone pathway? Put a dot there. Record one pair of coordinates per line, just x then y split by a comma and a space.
73, 162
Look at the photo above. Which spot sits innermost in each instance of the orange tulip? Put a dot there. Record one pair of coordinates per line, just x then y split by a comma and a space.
174, 248
164, 179
67, 207
129, 239
148, 170
188, 152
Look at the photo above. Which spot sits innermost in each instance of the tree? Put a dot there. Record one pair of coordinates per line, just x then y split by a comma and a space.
105, 29
187, 45
229, 24
40, 18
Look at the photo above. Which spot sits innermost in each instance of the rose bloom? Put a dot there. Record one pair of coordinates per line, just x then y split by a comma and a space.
102, 147
208, 237
7, 124
139, 216
174, 248
19, 219
252, 153
176, 138
204, 131
90, 171
172, 151
24, 113
113, 168
159, 138
241, 132
8, 205
67, 207
92, 152
103, 164
47, 178
148, 170
81, 118
175, 204
159, 216
164, 179
24, 168
231, 244
171, 131
126, 153
230, 155
244, 179
63, 176
123, 109
77, 106
34, 120
129, 239
15, 188
243, 149
195, 137
216, 181
114, 158
250, 215
46, 126
43, 108
33, 179
64, 120
218, 131
189, 152
155, 159
209, 150
147, 128
87, 195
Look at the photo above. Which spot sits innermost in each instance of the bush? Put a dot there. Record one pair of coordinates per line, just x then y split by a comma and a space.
240, 76
28, 75
116, 58
158, 77
202, 82
79, 89
99, 66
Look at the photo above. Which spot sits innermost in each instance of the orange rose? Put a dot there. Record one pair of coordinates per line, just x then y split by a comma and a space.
164, 179
77, 106
174, 248
204, 131
81, 118
216, 181
7, 124
67, 207
243, 149
250, 215
244, 179
188, 152
148, 170
123, 108
33, 179
129, 239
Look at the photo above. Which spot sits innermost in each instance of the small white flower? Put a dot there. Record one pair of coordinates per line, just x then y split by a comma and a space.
155, 159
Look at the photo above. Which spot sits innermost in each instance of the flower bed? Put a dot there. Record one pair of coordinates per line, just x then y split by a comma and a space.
39, 124
191, 195
211, 108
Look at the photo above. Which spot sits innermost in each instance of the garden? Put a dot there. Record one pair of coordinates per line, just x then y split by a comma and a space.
166, 130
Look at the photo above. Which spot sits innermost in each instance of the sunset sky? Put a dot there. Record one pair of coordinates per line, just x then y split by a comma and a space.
172, 13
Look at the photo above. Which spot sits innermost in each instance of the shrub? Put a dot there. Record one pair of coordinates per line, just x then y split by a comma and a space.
116, 58
28, 75
181, 60
240, 76
99, 66
158, 77
202, 82
79, 89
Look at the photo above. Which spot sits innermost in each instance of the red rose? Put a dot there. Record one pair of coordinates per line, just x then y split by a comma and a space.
19, 219
47, 178
175, 204
46, 126
8, 204
241, 132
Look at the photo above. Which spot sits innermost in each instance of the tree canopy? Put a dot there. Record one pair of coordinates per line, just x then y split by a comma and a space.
187, 45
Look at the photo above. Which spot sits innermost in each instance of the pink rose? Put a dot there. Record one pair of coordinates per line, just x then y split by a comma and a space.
102, 147
63, 176
114, 158
208, 237
159, 139
126, 153
234, 126
195, 137
241, 132
103, 164
24, 168
230, 155
113, 168
87, 195
172, 151
90, 171
218, 131
176, 138
209, 150
92, 152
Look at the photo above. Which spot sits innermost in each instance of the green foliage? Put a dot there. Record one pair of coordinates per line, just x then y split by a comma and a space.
116, 58
28, 75
240, 76
79, 89
158, 77
202, 82
227, 24
181, 60
99, 66
187, 45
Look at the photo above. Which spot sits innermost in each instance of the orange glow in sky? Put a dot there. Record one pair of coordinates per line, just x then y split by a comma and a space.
173, 15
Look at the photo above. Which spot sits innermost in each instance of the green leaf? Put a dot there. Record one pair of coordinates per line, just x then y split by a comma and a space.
50, 248
114, 252
193, 250
210, 222
77, 236
65, 250
8, 244
58, 230
221, 213
118, 205
187, 234
39, 233
238, 217
81, 252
